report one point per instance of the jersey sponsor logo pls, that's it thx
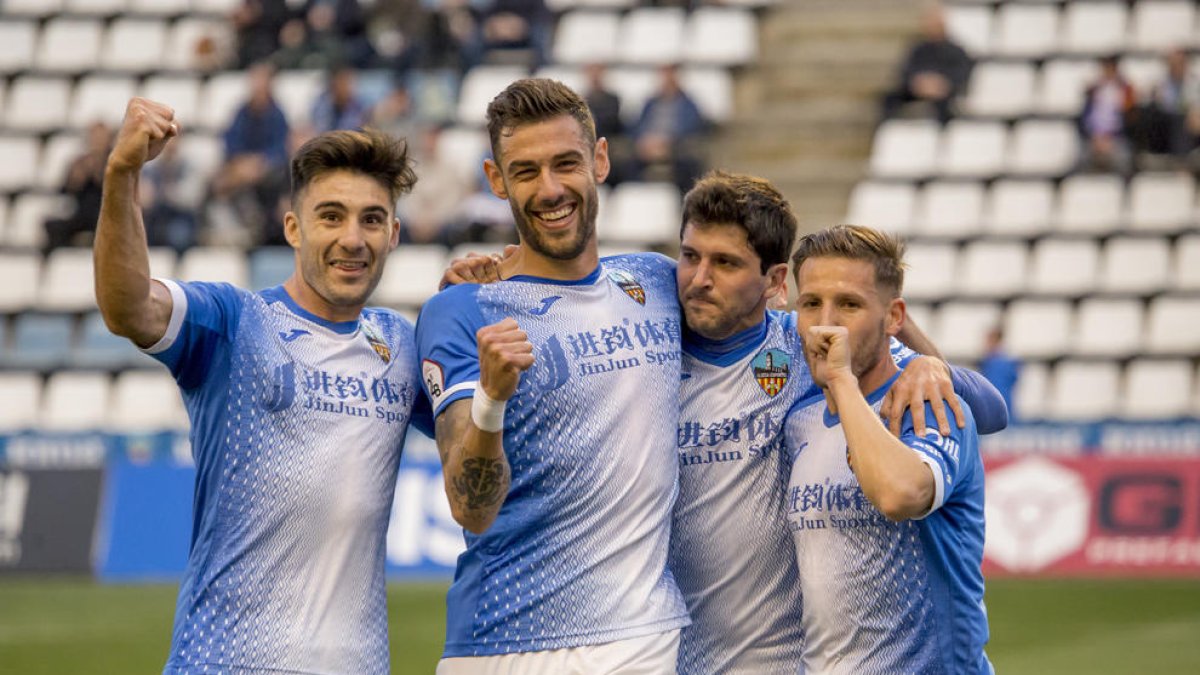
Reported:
(625, 281)
(626, 345)
(435, 378)
(281, 391)
(771, 368)
(545, 307)
(829, 505)
(293, 334)
(377, 342)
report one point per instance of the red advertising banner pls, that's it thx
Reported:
(1093, 516)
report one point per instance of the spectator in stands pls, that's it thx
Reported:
(512, 30)
(254, 174)
(430, 213)
(935, 71)
(1171, 119)
(170, 192)
(397, 30)
(669, 134)
(1104, 122)
(339, 106)
(83, 183)
(1000, 368)
(396, 114)
(339, 28)
(606, 110)
(257, 24)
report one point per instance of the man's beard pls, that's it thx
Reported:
(584, 231)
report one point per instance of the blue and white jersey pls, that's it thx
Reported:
(577, 554)
(731, 548)
(297, 427)
(881, 596)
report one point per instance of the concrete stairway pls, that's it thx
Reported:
(807, 110)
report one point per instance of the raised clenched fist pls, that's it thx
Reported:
(146, 130)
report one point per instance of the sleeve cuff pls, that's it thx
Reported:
(452, 394)
(179, 305)
(939, 484)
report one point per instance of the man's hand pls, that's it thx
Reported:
(476, 268)
(504, 353)
(829, 348)
(925, 378)
(146, 130)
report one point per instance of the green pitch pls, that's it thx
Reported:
(56, 626)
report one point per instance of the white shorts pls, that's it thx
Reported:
(648, 655)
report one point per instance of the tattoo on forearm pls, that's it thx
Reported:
(482, 482)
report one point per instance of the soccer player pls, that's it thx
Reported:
(299, 399)
(556, 395)
(731, 550)
(888, 531)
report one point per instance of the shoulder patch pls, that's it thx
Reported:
(626, 282)
(435, 379)
(771, 369)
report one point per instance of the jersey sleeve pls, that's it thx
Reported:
(446, 345)
(943, 454)
(901, 353)
(203, 323)
(987, 405)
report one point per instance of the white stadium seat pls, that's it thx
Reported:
(572, 76)
(905, 149)
(67, 283)
(1172, 326)
(971, 27)
(20, 398)
(1084, 390)
(1027, 31)
(75, 401)
(726, 36)
(1001, 89)
(1094, 28)
(69, 45)
(634, 86)
(1143, 72)
(181, 92)
(20, 274)
(973, 149)
(961, 327)
(992, 269)
(1043, 148)
(185, 34)
(38, 8)
(210, 263)
(1157, 389)
(101, 98)
(57, 154)
(1158, 25)
(1110, 328)
(1186, 275)
(950, 209)
(711, 89)
(1064, 266)
(479, 86)
(136, 45)
(96, 7)
(296, 92)
(465, 148)
(1019, 207)
(652, 36)
(27, 218)
(1062, 85)
(163, 7)
(20, 43)
(1161, 202)
(1136, 265)
(642, 213)
(931, 271)
(146, 401)
(221, 98)
(38, 103)
(887, 206)
(411, 276)
(1038, 329)
(583, 37)
(21, 154)
(1031, 396)
(1090, 204)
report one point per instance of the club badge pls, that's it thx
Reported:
(771, 368)
(376, 339)
(625, 281)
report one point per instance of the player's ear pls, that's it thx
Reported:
(495, 178)
(897, 314)
(600, 159)
(777, 282)
(394, 240)
(291, 229)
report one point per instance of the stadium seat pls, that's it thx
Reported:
(725, 36)
(1110, 328)
(4, 207)
(1084, 390)
(905, 149)
(1094, 28)
(1090, 204)
(572, 76)
(563, 5)
(887, 206)
(950, 209)
(146, 401)
(411, 276)
(1027, 31)
(465, 148)
(1158, 25)
(185, 34)
(181, 92)
(101, 98)
(203, 152)
(583, 37)
(1136, 265)
(20, 43)
(1066, 267)
(271, 266)
(208, 263)
(19, 277)
(134, 45)
(971, 27)
(634, 86)
(21, 155)
(1157, 389)
(37, 103)
(99, 349)
(1161, 202)
(973, 149)
(1043, 148)
(162, 262)
(1001, 89)
(711, 89)
(1019, 207)
(1038, 329)
(1031, 395)
(642, 213)
(1143, 72)
(27, 218)
(96, 7)
(479, 86)
(69, 45)
(40, 341)
(37, 8)
(20, 395)
(217, 7)
(162, 7)
(296, 92)
(1186, 275)
(220, 99)
(57, 154)
(1062, 86)
(75, 401)
(651, 36)
(67, 283)
(992, 269)
(960, 328)
(918, 312)
(931, 270)
(1172, 326)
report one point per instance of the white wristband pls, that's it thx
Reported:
(486, 412)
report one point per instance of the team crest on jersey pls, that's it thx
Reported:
(771, 370)
(377, 342)
(625, 281)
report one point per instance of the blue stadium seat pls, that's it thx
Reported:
(100, 349)
(40, 341)
(270, 266)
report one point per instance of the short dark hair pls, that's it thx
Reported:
(370, 151)
(533, 100)
(749, 202)
(885, 252)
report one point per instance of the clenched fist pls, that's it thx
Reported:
(504, 353)
(146, 130)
